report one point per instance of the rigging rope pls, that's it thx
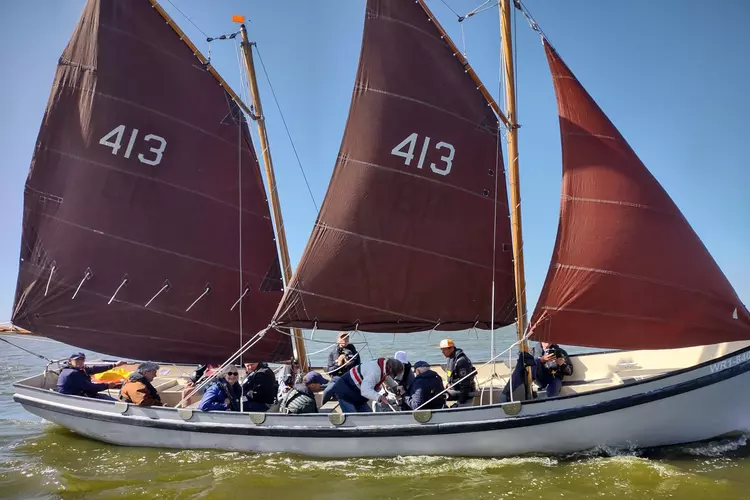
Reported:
(286, 127)
(188, 18)
(451, 9)
(26, 350)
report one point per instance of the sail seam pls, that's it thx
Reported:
(325, 226)
(151, 110)
(566, 197)
(479, 125)
(145, 245)
(407, 25)
(618, 315)
(346, 158)
(155, 47)
(598, 136)
(151, 337)
(313, 294)
(638, 278)
(158, 181)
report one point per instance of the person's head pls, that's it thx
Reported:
(421, 367)
(231, 373)
(250, 367)
(447, 347)
(77, 360)
(394, 368)
(401, 356)
(315, 381)
(545, 345)
(343, 339)
(148, 370)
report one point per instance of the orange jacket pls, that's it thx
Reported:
(138, 393)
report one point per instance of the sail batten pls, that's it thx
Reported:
(134, 184)
(627, 269)
(404, 238)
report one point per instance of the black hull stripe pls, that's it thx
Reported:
(412, 429)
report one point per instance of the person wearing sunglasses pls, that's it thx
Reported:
(224, 393)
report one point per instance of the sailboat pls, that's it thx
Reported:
(414, 235)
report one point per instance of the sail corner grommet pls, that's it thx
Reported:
(121, 406)
(185, 413)
(337, 418)
(422, 416)
(512, 408)
(257, 418)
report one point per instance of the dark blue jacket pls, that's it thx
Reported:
(78, 382)
(216, 395)
(424, 387)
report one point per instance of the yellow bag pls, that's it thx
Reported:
(113, 375)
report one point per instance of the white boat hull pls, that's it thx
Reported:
(694, 404)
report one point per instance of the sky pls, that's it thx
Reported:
(672, 76)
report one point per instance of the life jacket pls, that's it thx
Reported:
(356, 374)
(297, 401)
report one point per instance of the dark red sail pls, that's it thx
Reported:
(135, 175)
(404, 239)
(627, 270)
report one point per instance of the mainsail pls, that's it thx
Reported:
(404, 239)
(131, 227)
(627, 269)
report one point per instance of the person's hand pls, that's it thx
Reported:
(547, 357)
(383, 400)
(114, 385)
(120, 363)
(560, 361)
(341, 360)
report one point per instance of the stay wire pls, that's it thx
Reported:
(188, 18)
(286, 127)
(26, 350)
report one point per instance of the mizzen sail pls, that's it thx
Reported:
(132, 203)
(404, 239)
(627, 269)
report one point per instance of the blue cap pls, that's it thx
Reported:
(315, 378)
(77, 355)
(421, 364)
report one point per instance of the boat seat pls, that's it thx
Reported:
(163, 384)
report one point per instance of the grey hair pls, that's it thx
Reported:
(148, 366)
(394, 367)
(228, 368)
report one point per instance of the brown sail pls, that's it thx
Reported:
(627, 270)
(404, 239)
(132, 203)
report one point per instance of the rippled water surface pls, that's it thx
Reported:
(42, 460)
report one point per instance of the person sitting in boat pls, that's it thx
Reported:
(405, 383)
(426, 385)
(138, 389)
(458, 367)
(301, 397)
(75, 378)
(259, 388)
(340, 360)
(363, 383)
(224, 393)
(549, 365)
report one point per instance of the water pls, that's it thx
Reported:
(42, 460)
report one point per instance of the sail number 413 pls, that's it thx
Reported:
(113, 139)
(405, 149)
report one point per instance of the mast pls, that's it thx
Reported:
(515, 186)
(286, 267)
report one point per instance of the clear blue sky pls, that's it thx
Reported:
(672, 75)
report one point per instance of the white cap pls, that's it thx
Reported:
(401, 356)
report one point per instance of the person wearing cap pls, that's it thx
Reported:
(363, 383)
(301, 398)
(75, 378)
(426, 385)
(457, 367)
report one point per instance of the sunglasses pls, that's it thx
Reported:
(233, 373)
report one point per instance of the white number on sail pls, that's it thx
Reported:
(408, 156)
(105, 141)
(447, 159)
(117, 134)
(157, 151)
(410, 141)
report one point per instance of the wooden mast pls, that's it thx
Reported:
(286, 267)
(506, 15)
